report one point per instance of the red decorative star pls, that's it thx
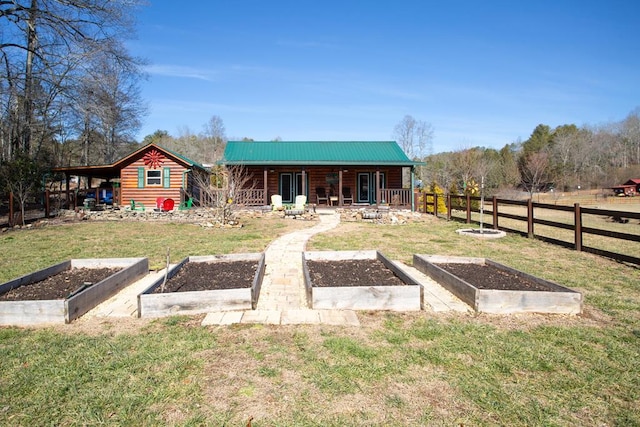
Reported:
(153, 159)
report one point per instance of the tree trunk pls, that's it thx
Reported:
(28, 79)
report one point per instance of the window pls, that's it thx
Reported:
(154, 177)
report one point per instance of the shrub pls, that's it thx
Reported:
(442, 205)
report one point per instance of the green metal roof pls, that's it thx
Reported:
(316, 153)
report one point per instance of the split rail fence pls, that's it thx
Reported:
(602, 232)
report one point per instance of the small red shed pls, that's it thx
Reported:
(630, 188)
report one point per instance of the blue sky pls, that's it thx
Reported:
(482, 73)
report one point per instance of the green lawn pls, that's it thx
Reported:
(397, 369)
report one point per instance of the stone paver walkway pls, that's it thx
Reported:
(282, 299)
(434, 295)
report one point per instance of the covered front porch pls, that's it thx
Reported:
(331, 187)
(331, 173)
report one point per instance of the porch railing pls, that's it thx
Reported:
(250, 197)
(242, 197)
(395, 196)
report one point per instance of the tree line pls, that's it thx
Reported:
(565, 158)
(205, 147)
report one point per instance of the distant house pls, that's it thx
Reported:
(149, 173)
(335, 173)
(629, 189)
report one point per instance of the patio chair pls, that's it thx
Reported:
(321, 194)
(186, 205)
(276, 202)
(167, 205)
(301, 201)
(137, 206)
(346, 195)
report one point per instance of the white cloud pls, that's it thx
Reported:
(180, 71)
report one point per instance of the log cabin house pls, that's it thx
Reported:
(144, 176)
(335, 173)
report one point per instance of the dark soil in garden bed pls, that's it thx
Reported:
(485, 276)
(58, 286)
(353, 272)
(208, 276)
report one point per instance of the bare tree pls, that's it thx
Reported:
(224, 188)
(565, 155)
(465, 164)
(186, 143)
(43, 39)
(117, 99)
(214, 139)
(414, 136)
(534, 171)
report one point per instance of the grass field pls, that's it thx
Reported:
(397, 369)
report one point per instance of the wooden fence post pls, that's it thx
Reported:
(435, 204)
(530, 218)
(578, 227)
(495, 212)
(424, 201)
(449, 207)
(468, 208)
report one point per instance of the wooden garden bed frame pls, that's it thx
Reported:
(558, 299)
(36, 312)
(394, 298)
(166, 304)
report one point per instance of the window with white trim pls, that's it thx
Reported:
(154, 177)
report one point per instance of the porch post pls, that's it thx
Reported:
(411, 177)
(377, 187)
(304, 182)
(340, 201)
(265, 187)
(67, 176)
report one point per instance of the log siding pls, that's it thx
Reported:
(133, 183)
(318, 177)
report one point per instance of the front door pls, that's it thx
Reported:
(290, 186)
(367, 186)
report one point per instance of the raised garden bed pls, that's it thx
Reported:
(66, 291)
(358, 280)
(201, 284)
(490, 287)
